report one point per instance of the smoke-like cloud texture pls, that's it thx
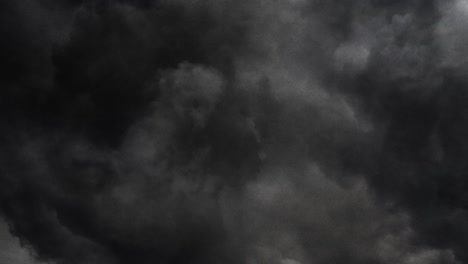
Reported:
(234, 131)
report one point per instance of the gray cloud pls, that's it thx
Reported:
(288, 131)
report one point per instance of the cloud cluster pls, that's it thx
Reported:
(203, 131)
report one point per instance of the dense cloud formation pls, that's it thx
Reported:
(234, 131)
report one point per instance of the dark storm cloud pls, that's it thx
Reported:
(286, 131)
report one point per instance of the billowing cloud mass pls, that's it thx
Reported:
(234, 131)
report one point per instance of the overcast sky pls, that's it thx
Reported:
(234, 131)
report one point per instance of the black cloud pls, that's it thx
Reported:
(287, 131)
